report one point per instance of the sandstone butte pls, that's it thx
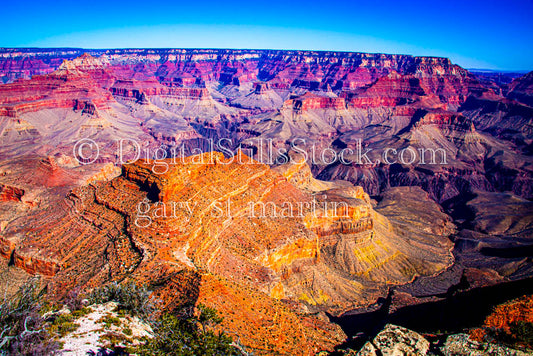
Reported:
(270, 277)
(79, 84)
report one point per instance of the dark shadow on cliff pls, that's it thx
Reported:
(178, 290)
(460, 310)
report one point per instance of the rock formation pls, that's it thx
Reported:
(266, 259)
(396, 340)
(233, 225)
(521, 89)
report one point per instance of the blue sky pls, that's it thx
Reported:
(475, 34)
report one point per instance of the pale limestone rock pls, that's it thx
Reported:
(460, 344)
(395, 340)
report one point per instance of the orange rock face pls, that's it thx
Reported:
(506, 314)
(103, 236)
(8, 193)
(503, 317)
(228, 232)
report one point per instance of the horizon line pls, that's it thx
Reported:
(264, 49)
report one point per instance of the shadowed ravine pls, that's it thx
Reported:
(454, 314)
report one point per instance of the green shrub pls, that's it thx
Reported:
(109, 320)
(22, 328)
(63, 328)
(187, 335)
(127, 331)
(112, 340)
(522, 333)
(130, 297)
(184, 334)
(81, 312)
(208, 316)
(519, 335)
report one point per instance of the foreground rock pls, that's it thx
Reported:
(101, 324)
(395, 340)
(461, 344)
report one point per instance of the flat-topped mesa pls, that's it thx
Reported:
(188, 93)
(391, 90)
(163, 178)
(135, 89)
(311, 101)
(132, 88)
(261, 87)
(340, 218)
(444, 119)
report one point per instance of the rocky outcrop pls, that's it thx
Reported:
(87, 337)
(396, 340)
(108, 172)
(86, 107)
(310, 101)
(521, 89)
(462, 345)
(9, 193)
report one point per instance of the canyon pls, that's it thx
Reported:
(238, 229)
